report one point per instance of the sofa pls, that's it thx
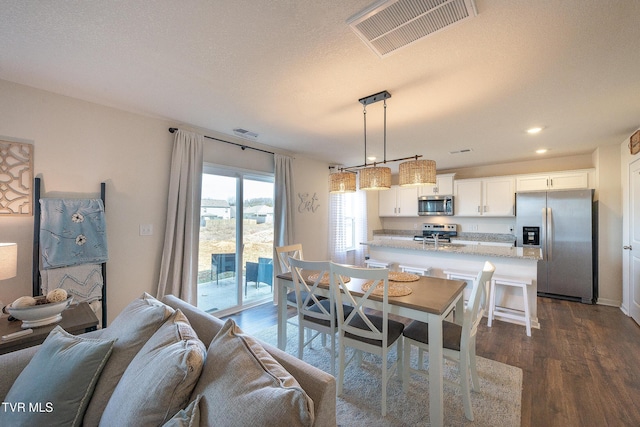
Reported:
(162, 363)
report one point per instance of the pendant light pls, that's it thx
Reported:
(374, 177)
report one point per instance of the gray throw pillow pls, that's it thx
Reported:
(243, 385)
(55, 387)
(187, 417)
(159, 379)
(132, 327)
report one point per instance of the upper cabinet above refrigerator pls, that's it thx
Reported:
(566, 180)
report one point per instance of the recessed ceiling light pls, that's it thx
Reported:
(541, 151)
(371, 158)
(534, 130)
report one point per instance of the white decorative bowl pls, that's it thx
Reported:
(40, 315)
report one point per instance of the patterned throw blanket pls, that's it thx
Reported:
(84, 281)
(72, 232)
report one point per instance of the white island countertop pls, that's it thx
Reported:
(521, 263)
(452, 248)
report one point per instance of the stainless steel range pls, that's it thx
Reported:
(440, 232)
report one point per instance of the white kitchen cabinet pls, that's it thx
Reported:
(398, 201)
(444, 186)
(565, 180)
(468, 197)
(485, 197)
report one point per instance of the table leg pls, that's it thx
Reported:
(436, 361)
(282, 314)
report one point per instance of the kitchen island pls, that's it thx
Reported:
(509, 261)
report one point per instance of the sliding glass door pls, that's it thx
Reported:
(235, 267)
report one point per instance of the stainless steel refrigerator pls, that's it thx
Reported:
(561, 223)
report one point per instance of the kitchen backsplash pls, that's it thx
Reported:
(465, 224)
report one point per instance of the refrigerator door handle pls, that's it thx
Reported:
(549, 234)
(543, 234)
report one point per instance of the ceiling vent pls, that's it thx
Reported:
(464, 150)
(245, 133)
(388, 25)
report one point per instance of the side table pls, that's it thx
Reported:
(77, 319)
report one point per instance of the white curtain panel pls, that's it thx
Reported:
(179, 267)
(283, 211)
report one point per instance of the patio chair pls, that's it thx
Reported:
(222, 263)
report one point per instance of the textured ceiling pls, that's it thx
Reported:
(292, 71)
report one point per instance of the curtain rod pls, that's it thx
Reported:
(243, 147)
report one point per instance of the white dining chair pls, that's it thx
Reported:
(362, 331)
(284, 253)
(459, 341)
(315, 312)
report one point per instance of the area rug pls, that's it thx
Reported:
(497, 404)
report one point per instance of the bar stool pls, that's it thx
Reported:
(422, 271)
(374, 263)
(516, 282)
(460, 275)
(466, 275)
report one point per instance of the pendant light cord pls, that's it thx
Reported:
(364, 115)
(385, 131)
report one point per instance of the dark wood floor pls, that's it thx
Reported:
(582, 368)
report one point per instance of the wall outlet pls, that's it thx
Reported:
(415, 226)
(146, 229)
(474, 227)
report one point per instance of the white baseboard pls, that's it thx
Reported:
(609, 302)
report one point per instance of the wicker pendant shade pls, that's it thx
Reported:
(375, 178)
(342, 182)
(418, 172)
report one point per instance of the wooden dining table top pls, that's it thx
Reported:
(429, 294)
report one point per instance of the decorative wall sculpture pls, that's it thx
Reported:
(16, 178)
(308, 202)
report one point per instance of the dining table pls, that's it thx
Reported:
(431, 300)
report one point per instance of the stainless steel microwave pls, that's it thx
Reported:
(435, 205)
